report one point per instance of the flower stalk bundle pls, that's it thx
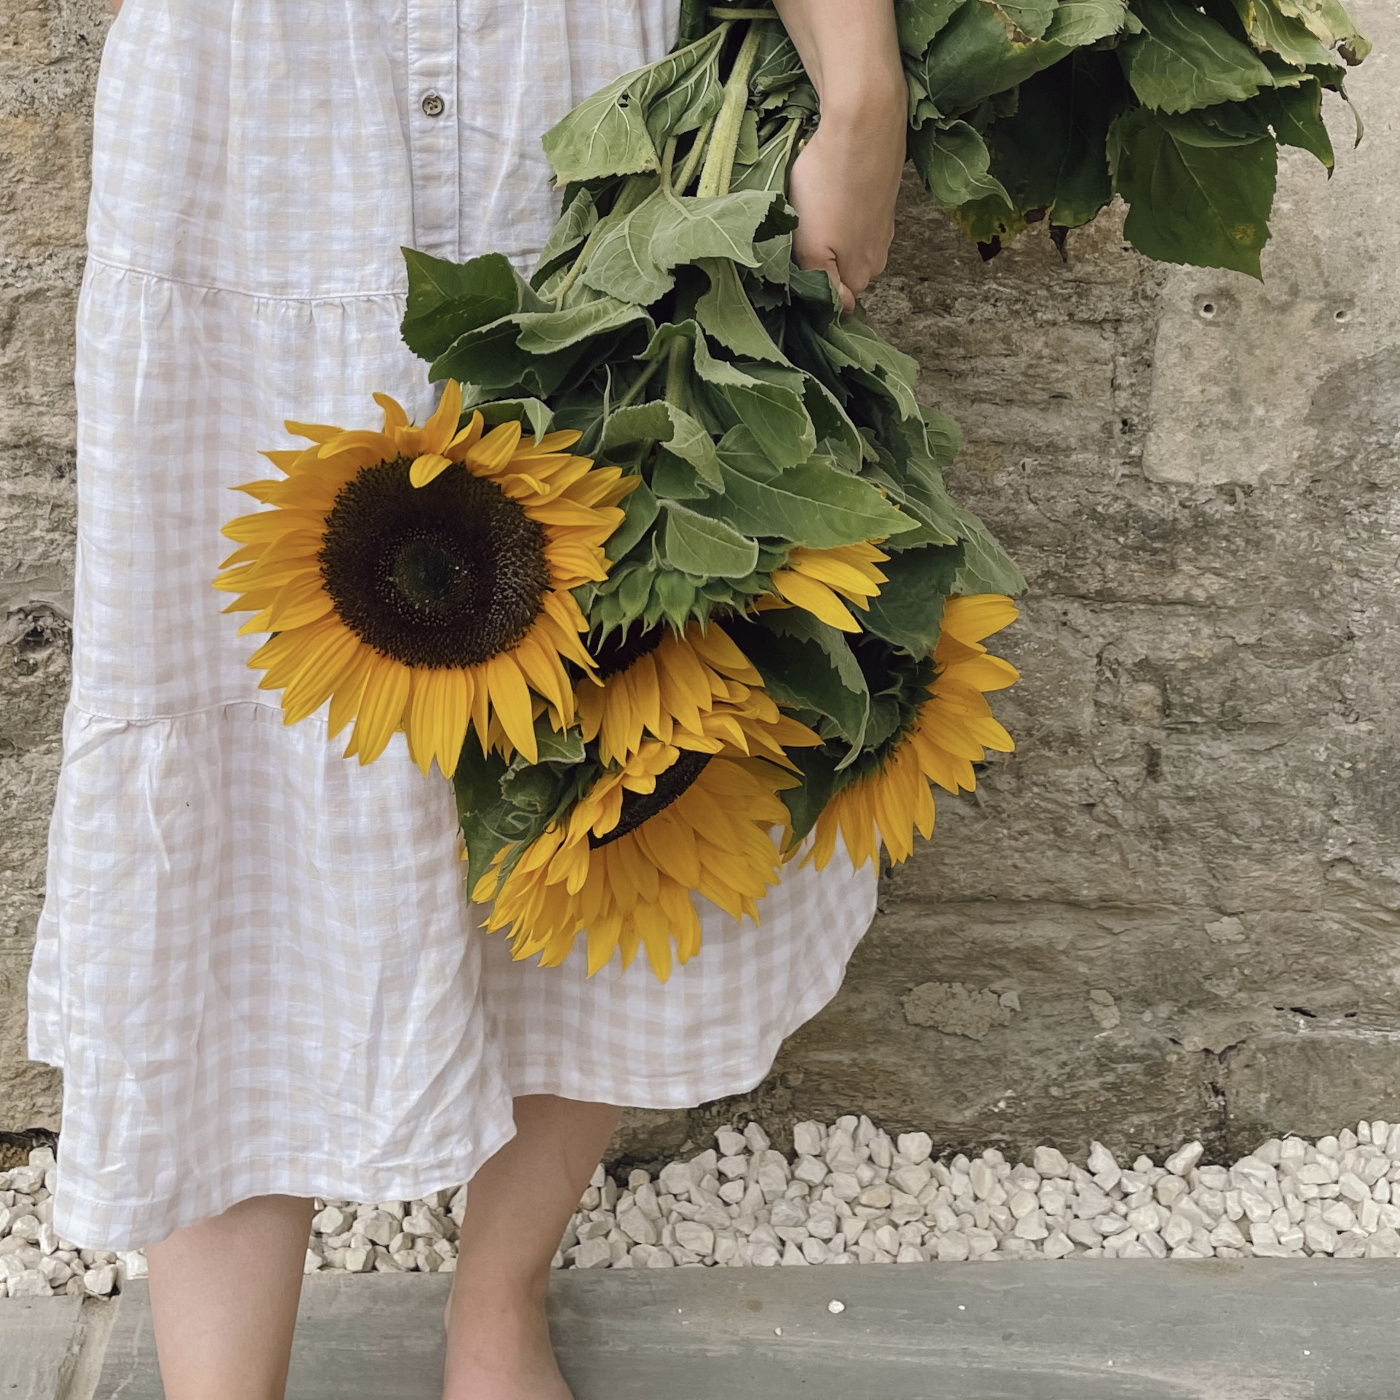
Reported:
(670, 585)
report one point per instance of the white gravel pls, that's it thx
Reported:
(848, 1194)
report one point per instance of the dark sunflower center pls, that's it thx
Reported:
(619, 652)
(639, 807)
(446, 575)
(428, 575)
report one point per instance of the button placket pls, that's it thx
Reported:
(433, 126)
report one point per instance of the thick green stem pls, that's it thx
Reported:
(638, 384)
(678, 373)
(693, 156)
(719, 160)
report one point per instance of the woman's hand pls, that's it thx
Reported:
(845, 181)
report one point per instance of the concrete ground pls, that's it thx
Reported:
(1106, 1330)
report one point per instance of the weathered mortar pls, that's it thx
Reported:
(1186, 879)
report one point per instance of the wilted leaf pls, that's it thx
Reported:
(1031, 17)
(1271, 31)
(1079, 23)
(1329, 21)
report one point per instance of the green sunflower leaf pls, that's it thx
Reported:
(1184, 60)
(1272, 31)
(769, 170)
(726, 313)
(1296, 117)
(578, 220)
(633, 257)
(489, 822)
(943, 435)
(813, 504)
(640, 511)
(542, 333)
(856, 344)
(954, 163)
(765, 401)
(532, 413)
(920, 20)
(708, 548)
(447, 299)
(978, 54)
(619, 131)
(908, 610)
(807, 665)
(986, 566)
(660, 421)
(1194, 195)
(818, 768)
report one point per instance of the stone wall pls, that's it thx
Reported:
(48, 64)
(1175, 912)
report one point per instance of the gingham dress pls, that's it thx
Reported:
(256, 964)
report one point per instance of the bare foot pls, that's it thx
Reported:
(498, 1345)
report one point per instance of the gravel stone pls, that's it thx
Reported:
(848, 1193)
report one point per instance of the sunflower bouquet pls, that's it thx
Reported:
(669, 584)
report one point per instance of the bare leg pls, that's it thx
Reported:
(224, 1300)
(517, 1207)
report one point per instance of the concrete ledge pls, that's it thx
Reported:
(1101, 1330)
(38, 1340)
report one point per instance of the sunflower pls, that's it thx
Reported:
(817, 580)
(656, 679)
(693, 815)
(419, 578)
(945, 726)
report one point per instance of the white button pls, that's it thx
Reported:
(433, 105)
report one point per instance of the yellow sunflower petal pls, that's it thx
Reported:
(496, 449)
(510, 700)
(381, 708)
(816, 598)
(440, 429)
(428, 467)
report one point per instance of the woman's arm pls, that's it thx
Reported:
(116, 5)
(845, 181)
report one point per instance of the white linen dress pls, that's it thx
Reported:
(256, 964)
